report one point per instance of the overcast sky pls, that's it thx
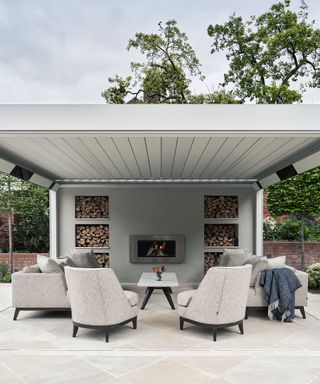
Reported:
(62, 51)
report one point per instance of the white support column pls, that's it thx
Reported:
(53, 224)
(259, 223)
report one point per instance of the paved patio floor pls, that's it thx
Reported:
(38, 348)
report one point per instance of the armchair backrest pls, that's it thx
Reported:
(221, 297)
(96, 297)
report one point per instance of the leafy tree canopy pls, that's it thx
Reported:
(272, 58)
(165, 75)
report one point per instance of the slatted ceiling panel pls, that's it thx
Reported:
(207, 156)
(67, 162)
(138, 145)
(286, 158)
(198, 146)
(37, 160)
(169, 145)
(249, 157)
(125, 150)
(182, 151)
(276, 156)
(244, 147)
(79, 153)
(108, 145)
(95, 148)
(224, 151)
(154, 155)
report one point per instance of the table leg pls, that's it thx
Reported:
(149, 291)
(166, 291)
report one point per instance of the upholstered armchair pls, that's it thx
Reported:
(220, 300)
(98, 301)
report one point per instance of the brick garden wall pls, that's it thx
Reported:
(292, 249)
(21, 260)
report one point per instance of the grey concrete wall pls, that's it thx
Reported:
(174, 209)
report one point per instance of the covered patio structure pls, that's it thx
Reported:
(160, 169)
(156, 164)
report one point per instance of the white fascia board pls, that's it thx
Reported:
(310, 162)
(144, 120)
(269, 180)
(6, 166)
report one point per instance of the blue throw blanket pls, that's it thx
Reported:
(279, 287)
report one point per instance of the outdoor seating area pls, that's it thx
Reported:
(156, 263)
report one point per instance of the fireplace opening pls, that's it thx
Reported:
(156, 248)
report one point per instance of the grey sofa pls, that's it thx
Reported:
(39, 291)
(256, 296)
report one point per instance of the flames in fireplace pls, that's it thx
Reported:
(157, 249)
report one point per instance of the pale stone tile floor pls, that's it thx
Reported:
(38, 348)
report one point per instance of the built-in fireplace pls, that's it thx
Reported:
(156, 248)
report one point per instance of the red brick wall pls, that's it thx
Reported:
(292, 251)
(21, 260)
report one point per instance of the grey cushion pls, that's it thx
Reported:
(258, 264)
(31, 269)
(234, 257)
(48, 265)
(83, 259)
(64, 262)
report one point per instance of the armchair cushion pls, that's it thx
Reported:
(184, 298)
(132, 297)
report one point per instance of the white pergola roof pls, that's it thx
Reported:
(74, 143)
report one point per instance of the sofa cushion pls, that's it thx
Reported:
(276, 262)
(257, 268)
(234, 257)
(132, 297)
(184, 298)
(254, 261)
(48, 265)
(65, 262)
(82, 259)
(31, 269)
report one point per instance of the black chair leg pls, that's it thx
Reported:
(75, 330)
(214, 334)
(134, 323)
(247, 314)
(303, 312)
(181, 323)
(107, 337)
(16, 313)
(241, 328)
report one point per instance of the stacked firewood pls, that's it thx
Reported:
(92, 207)
(103, 259)
(211, 259)
(92, 235)
(220, 235)
(220, 206)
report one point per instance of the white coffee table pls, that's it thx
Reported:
(168, 280)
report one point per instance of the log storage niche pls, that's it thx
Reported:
(211, 259)
(103, 259)
(91, 207)
(220, 235)
(221, 207)
(92, 235)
